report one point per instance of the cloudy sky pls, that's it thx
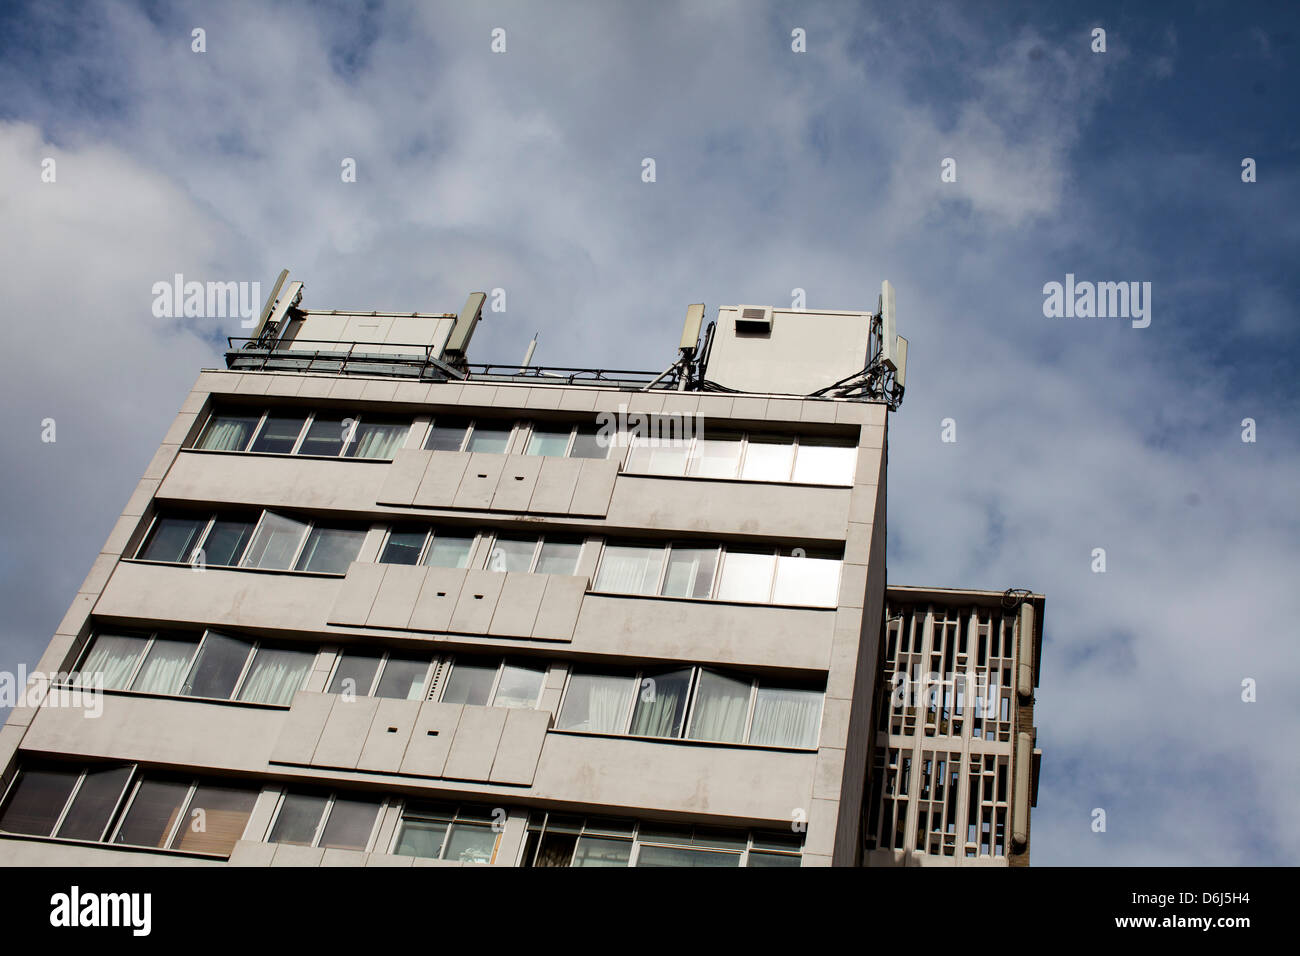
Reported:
(775, 170)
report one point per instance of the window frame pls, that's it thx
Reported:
(777, 553)
(690, 708)
(331, 797)
(430, 534)
(533, 561)
(385, 655)
(537, 822)
(451, 819)
(296, 450)
(796, 440)
(311, 523)
(502, 661)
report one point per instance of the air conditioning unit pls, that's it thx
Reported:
(754, 320)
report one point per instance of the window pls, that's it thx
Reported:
(493, 683)
(274, 542)
(72, 803)
(205, 540)
(524, 553)
(560, 840)
(441, 831)
(749, 457)
(337, 821)
(327, 434)
(394, 676)
(435, 548)
(573, 441)
(494, 436)
(223, 668)
(695, 703)
(750, 575)
(153, 663)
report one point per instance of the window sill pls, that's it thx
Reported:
(690, 600)
(100, 845)
(224, 567)
(126, 692)
(276, 454)
(692, 741)
(738, 481)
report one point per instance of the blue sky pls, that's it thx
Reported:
(776, 170)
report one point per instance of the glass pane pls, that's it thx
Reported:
(717, 456)
(355, 674)
(558, 557)
(808, 579)
(403, 678)
(172, 539)
(746, 576)
(37, 800)
(447, 434)
(658, 456)
(680, 856)
(375, 438)
(470, 682)
(548, 441)
(165, 665)
(228, 432)
(403, 547)
(520, 686)
(275, 543)
(629, 569)
(279, 433)
(690, 572)
(298, 818)
(225, 543)
(449, 550)
(470, 843)
(825, 462)
(421, 838)
(596, 851)
(771, 859)
(350, 822)
(661, 704)
(92, 808)
(768, 459)
(489, 437)
(591, 442)
(597, 703)
(331, 550)
(276, 675)
(512, 554)
(153, 813)
(786, 717)
(326, 435)
(217, 668)
(111, 660)
(221, 823)
(721, 708)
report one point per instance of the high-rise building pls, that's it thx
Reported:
(373, 604)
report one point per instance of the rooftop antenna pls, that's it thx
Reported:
(528, 356)
(686, 349)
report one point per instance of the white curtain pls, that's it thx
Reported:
(626, 569)
(659, 716)
(111, 660)
(378, 441)
(276, 676)
(786, 717)
(165, 667)
(596, 702)
(721, 706)
(227, 435)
